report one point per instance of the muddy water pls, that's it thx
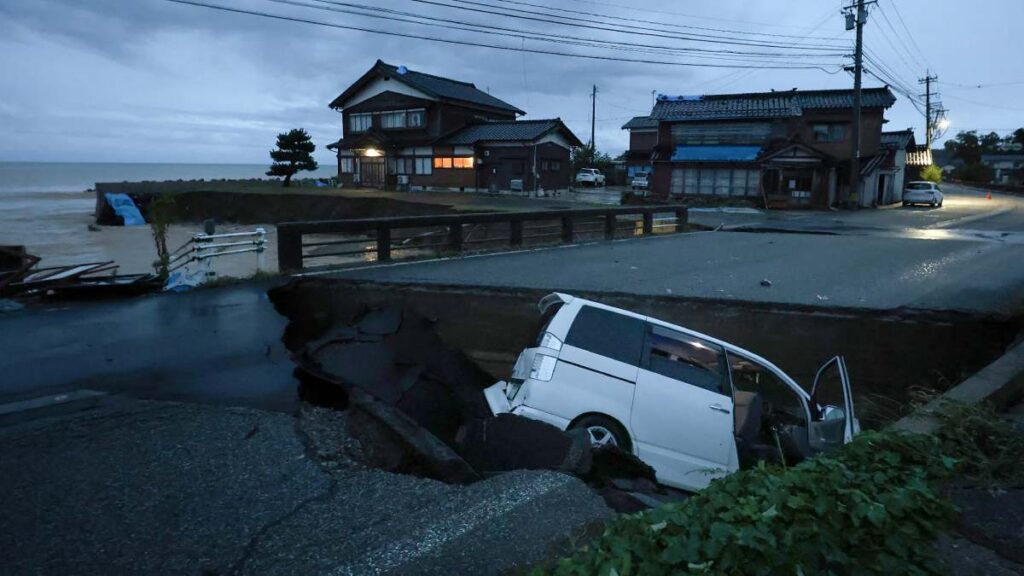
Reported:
(891, 356)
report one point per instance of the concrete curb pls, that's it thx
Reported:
(999, 384)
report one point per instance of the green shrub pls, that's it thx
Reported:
(872, 507)
(932, 173)
(869, 509)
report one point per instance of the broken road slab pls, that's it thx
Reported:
(133, 486)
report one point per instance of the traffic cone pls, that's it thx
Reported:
(988, 196)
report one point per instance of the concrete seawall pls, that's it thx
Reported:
(258, 202)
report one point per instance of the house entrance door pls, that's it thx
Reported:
(371, 172)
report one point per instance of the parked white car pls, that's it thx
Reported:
(692, 407)
(589, 177)
(640, 182)
(922, 193)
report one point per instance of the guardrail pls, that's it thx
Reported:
(379, 238)
(203, 248)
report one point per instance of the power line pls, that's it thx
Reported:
(299, 20)
(666, 24)
(685, 15)
(987, 105)
(986, 85)
(623, 29)
(899, 39)
(909, 35)
(447, 23)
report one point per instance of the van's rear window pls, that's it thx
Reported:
(607, 333)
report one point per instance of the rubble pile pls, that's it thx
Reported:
(414, 406)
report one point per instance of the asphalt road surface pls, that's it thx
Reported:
(965, 256)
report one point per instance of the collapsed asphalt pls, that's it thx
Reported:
(417, 406)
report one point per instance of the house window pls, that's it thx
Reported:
(403, 165)
(417, 118)
(391, 120)
(453, 162)
(719, 182)
(423, 166)
(348, 165)
(360, 122)
(829, 132)
(550, 165)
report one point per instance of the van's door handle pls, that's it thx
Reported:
(718, 408)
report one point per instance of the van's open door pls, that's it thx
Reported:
(832, 418)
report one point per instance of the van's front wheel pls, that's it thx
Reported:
(603, 431)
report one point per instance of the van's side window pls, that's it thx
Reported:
(683, 357)
(607, 333)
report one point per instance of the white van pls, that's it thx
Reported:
(692, 407)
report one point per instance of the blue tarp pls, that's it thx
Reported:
(716, 153)
(125, 208)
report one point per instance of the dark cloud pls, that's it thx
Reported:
(154, 80)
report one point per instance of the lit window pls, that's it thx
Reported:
(463, 162)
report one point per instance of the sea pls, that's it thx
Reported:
(22, 177)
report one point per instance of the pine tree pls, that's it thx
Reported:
(294, 152)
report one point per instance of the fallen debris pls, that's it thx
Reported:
(508, 442)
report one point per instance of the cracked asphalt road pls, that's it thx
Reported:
(127, 486)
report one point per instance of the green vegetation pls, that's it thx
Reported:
(932, 173)
(294, 153)
(588, 157)
(160, 215)
(872, 507)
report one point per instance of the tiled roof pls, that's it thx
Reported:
(447, 88)
(899, 140)
(512, 131)
(435, 86)
(716, 153)
(760, 105)
(640, 122)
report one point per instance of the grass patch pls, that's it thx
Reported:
(873, 507)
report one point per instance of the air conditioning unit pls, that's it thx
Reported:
(516, 185)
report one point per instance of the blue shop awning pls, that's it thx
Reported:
(716, 153)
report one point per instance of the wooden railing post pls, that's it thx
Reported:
(383, 242)
(567, 229)
(516, 232)
(648, 222)
(682, 218)
(455, 236)
(289, 249)
(609, 226)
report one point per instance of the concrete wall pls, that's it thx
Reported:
(888, 354)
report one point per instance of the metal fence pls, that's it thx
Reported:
(337, 242)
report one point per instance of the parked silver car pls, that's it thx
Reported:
(922, 193)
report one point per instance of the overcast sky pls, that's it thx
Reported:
(154, 81)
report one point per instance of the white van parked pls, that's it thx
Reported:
(692, 407)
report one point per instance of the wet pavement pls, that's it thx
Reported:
(881, 260)
(145, 487)
(217, 345)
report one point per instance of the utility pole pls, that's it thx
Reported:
(927, 81)
(593, 118)
(858, 67)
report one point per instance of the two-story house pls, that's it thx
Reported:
(643, 138)
(786, 148)
(410, 130)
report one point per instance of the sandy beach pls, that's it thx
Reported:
(55, 226)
